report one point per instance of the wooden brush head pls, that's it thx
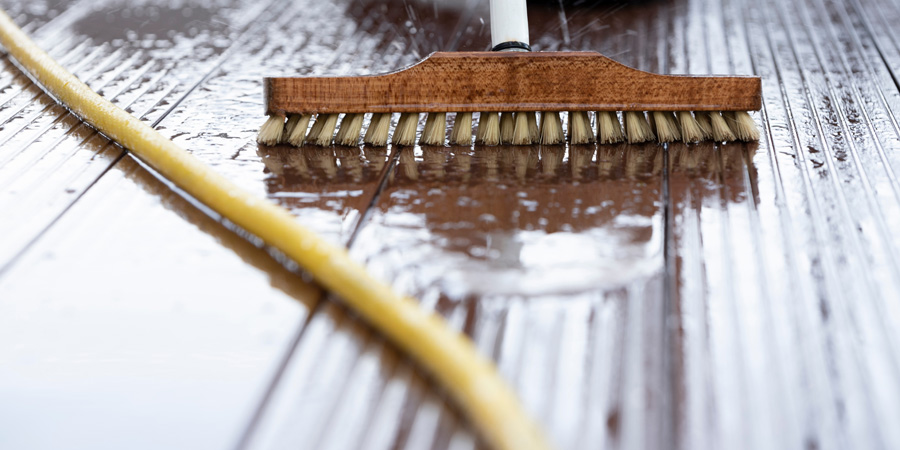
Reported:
(502, 81)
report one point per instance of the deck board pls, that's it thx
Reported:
(684, 296)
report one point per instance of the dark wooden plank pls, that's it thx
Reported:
(699, 296)
(804, 221)
(472, 233)
(139, 321)
(45, 167)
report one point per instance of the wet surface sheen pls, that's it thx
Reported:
(683, 296)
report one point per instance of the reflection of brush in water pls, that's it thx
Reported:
(733, 157)
(526, 158)
(376, 157)
(678, 157)
(637, 158)
(521, 162)
(297, 161)
(434, 159)
(490, 157)
(534, 158)
(658, 161)
(507, 160)
(707, 158)
(462, 163)
(407, 164)
(606, 160)
(551, 158)
(579, 159)
(350, 162)
(323, 159)
(273, 158)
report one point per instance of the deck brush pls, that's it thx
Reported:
(503, 87)
(507, 87)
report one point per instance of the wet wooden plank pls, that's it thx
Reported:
(139, 321)
(733, 296)
(490, 239)
(48, 158)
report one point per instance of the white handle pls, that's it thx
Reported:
(509, 22)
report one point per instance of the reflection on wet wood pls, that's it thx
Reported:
(690, 296)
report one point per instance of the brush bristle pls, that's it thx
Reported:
(637, 129)
(488, 132)
(507, 127)
(405, 133)
(702, 118)
(297, 134)
(326, 132)
(690, 129)
(271, 132)
(580, 131)
(743, 126)
(435, 129)
(289, 126)
(522, 130)
(551, 128)
(720, 131)
(609, 130)
(462, 129)
(666, 128)
(533, 129)
(481, 128)
(379, 130)
(348, 132)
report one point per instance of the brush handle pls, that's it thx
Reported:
(512, 81)
(509, 24)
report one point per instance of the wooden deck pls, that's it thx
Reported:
(637, 297)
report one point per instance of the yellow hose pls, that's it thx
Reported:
(471, 380)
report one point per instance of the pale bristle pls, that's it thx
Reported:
(405, 133)
(462, 129)
(316, 127)
(533, 129)
(348, 132)
(743, 126)
(325, 131)
(481, 128)
(488, 132)
(435, 129)
(522, 130)
(690, 129)
(297, 134)
(702, 118)
(609, 130)
(551, 128)
(666, 128)
(271, 132)
(637, 129)
(289, 126)
(720, 131)
(379, 130)
(580, 131)
(507, 127)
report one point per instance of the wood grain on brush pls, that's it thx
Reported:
(501, 81)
